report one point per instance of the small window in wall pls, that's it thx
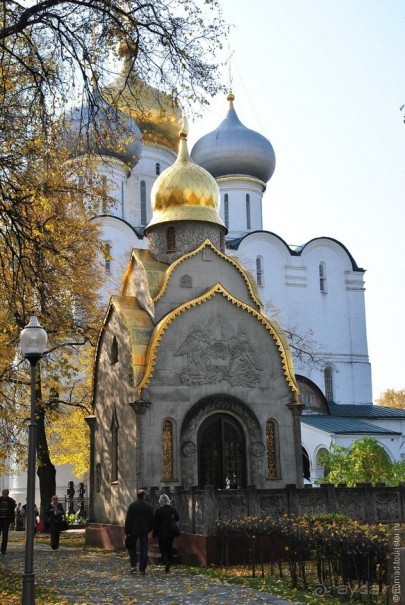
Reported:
(328, 378)
(167, 450)
(143, 202)
(157, 168)
(248, 222)
(114, 350)
(226, 210)
(104, 200)
(186, 281)
(171, 239)
(322, 277)
(114, 448)
(271, 448)
(259, 270)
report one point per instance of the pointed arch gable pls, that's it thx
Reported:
(217, 290)
(207, 243)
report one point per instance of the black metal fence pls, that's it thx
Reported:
(76, 503)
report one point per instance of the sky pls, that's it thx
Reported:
(324, 81)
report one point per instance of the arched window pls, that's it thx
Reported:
(226, 210)
(157, 167)
(171, 239)
(248, 223)
(271, 448)
(328, 378)
(167, 450)
(104, 201)
(306, 465)
(322, 277)
(186, 281)
(114, 447)
(114, 350)
(98, 477)
(259, 270)
(143, 203)
(107, 257)
(122, 200)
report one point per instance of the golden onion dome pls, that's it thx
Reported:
(185, 191)
(155, 113)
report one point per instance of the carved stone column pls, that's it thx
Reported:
(92, 424)
(139, 407)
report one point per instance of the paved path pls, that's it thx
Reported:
(84, 577)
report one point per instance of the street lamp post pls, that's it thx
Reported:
(33, 341)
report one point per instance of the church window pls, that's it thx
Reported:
(271, 449)
(122, 200)
(104, 200)
(107, 257)
(186, 281)
(167, 445)
(143, 203)
(328, 378)
(259, 270)
(322, 277)
(157, 167)
(248, 222)
(114, 350)
(171, 239)
(114, 448)
(226, 210)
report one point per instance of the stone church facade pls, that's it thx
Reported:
(193, 384)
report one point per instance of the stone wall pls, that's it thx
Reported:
(199, 509)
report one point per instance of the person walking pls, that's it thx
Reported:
(7, 515)
(55, 514)
(138, 523)
(164, 517)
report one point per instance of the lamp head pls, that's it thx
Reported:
(33, 339)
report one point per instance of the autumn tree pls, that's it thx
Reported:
(392, 399)
(365, 461)
(52, 53)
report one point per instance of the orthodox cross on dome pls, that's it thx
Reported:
(183, 125)
(229, 63)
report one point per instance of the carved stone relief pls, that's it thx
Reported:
(273, 506)
(350, 505)
(216, 353)
(387, 507)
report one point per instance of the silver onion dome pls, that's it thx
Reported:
(233, 149)
(103, 130)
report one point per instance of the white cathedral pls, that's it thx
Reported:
(315, 291)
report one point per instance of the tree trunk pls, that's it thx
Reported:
(46, 470)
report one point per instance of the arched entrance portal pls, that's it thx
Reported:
(221, 453)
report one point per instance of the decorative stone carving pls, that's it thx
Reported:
(350, 504)
(217, 353)
(257, 448)
(186, 281)
(195, 417)
(273, 505)
(387, 507)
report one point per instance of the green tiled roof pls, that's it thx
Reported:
(342, 426)
(365, 411)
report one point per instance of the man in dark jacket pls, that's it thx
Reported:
(7, 512)
(138, 523)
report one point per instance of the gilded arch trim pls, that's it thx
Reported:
(272, 328)
(207, 243)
